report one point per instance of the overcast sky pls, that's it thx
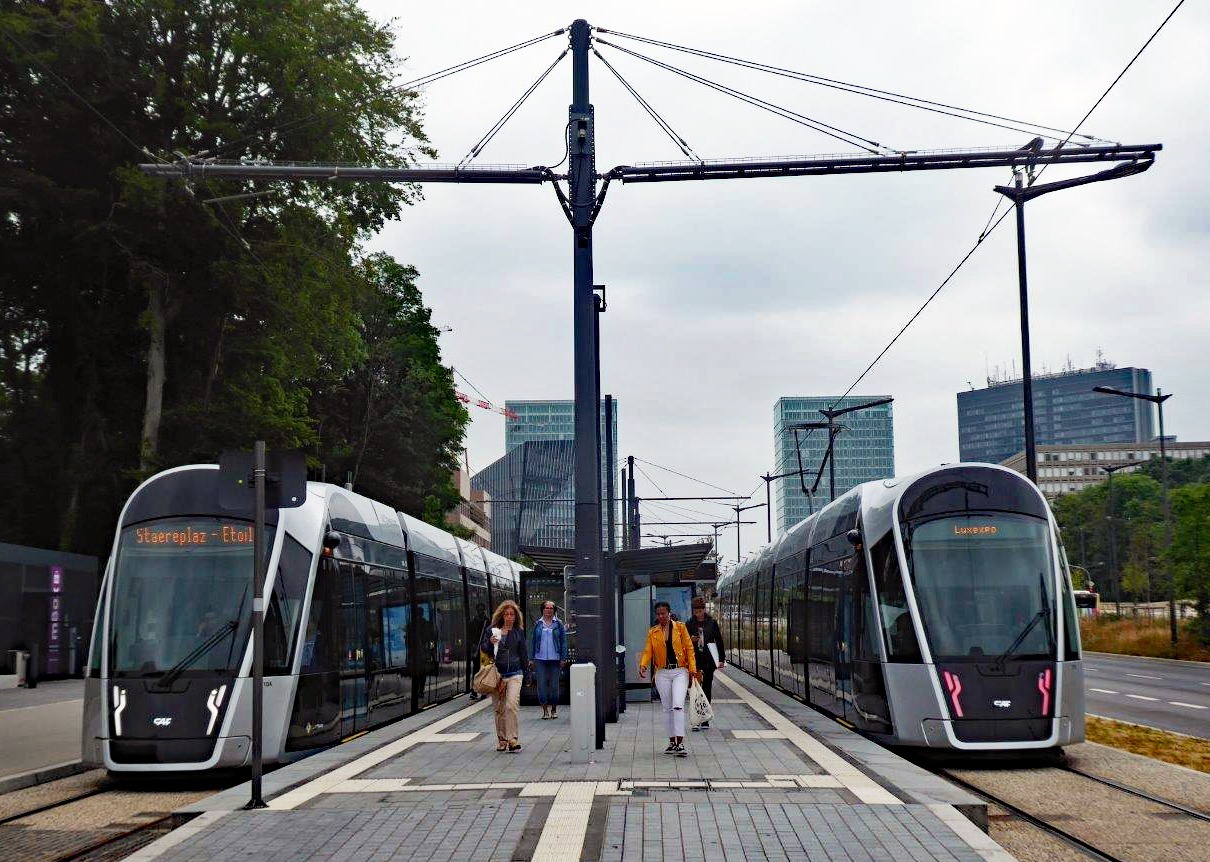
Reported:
(724, 296)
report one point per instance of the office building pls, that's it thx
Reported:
(474, 512)
(555, 420)
(991, 426)
(1066, 469)
(532, 490)
(864, 451)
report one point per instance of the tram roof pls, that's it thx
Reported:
(428, 540)
(472, 555)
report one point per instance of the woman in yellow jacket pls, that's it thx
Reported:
(671, 651)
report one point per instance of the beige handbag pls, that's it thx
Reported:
(487, 678)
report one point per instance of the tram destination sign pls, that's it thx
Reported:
(285, 480)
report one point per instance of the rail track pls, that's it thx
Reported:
(70, 829)
(1083, 845)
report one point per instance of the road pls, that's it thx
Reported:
(40, 727)
(1170, 695)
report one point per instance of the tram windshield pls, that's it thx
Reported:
(985, 586)
(182, 597)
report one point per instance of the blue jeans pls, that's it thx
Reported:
(547, 675)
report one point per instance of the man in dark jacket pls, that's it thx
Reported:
(704, 631)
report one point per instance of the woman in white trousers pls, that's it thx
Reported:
(670, 651)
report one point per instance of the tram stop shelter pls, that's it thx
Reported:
(643, 576)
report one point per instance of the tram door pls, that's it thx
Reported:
(353, 659)
(844, 640)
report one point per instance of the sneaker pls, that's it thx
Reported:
(671, 749)
(514, 747)
(698, 727)
(679, 750)
(704, 725)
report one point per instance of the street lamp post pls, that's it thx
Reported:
(1019, 193)
(831, 416)
(1113, 538)
(738, 510)
(1158, 400)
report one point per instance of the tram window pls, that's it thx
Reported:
(378, 592)
(321, 644)
(285, 605)
(896, 618)
(94, 663)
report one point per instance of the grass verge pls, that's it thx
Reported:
(1141, 637)
(1157, 744)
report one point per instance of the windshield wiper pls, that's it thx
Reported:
(200, 650)
(1043, 614)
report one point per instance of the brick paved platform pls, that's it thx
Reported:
(770, 779)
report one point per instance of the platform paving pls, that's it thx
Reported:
(761, 783)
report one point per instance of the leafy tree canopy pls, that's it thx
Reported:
(144, 324)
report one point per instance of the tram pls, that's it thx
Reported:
(370, 615)
(933, 611)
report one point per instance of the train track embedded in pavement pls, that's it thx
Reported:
(51, 806)
(1072, 840)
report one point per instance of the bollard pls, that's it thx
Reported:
(583, 712)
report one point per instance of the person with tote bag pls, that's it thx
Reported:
(670, 651)
(708, 650)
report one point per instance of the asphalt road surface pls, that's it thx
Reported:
(40, 727)
(1170, 695)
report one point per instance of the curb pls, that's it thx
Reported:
(40, 776)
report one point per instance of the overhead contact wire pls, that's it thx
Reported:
(508, 115)
(988, 231)
(833, 132)
(860, 89)
(660, 121)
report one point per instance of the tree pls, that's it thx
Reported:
(1190, 552)
(397, 395)
(140, 325)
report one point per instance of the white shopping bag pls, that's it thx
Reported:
(713, 652)
(700, 710)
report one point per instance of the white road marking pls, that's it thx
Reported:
(1204, 683)
(1104, 691)
(854, 780)
(1189, 705)
(1144, 676)
(1142, 697)
(326, 782)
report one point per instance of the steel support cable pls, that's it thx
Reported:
(860, 89)
(833, 132)
(680, 511)
(83, 101)
(988, 231)
(652, 112)
(683, 476)
(508, 115)
(415, 83)
(1109, 89)
(649, 479)
(465, 380)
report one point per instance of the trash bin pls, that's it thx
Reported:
(20, 661)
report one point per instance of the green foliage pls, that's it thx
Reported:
(1140, 547)
(141, 327)
(1181, 471)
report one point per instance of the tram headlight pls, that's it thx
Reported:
(213, 702)
(119, 704)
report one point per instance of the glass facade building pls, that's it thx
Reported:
(535, 485)
(544, 421)
(991, 426)
(864, 451)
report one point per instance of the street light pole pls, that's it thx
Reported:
(1158, 400)
(831, 416)
(1113, 538)
(1019, 193)
(738, 510)
(768, 508)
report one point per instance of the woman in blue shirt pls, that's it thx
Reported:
(548, 646)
